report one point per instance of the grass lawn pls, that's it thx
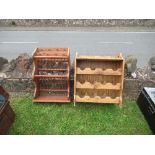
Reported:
(83, 119)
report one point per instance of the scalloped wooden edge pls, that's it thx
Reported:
(99, 71)
(98, 85)
(97, 99)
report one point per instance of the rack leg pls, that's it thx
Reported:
(120, 105)
(74, 104)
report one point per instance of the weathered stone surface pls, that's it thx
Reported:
(130, 66)
(2, 75)
(3, 61)
(150, 69)
(153, 67)
(77, 22)
(141, 73)
(20, 67)
(17, 85)
(152, 61)
(133, 87)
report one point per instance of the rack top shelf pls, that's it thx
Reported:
(51, 52)
(105, 58)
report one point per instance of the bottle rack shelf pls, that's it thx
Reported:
(98, 79)
(99, 71)
(51, 74)
(98, 99)
(98, 85)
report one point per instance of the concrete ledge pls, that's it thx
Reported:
(77, 22)
(85, 29)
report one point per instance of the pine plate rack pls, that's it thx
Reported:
(51, 74)
(98, 79)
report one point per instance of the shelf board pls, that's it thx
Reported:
(50, 76)
(57, 49)
(102, 58)
(55, 60)
(51, 56)
(54, 90)
(97, 99)
(47, 99)
(51, 69)
(97, 86)
(98, 71)
(52, 53)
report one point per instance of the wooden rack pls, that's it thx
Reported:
(51, 74)
(98, 79)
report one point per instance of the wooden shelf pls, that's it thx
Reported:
(47, 99)
(98, 71)
(102, 58)
(51, 69)
(54, 60)
(54, 90)
(51, 52)
(47, 57)
(98, 85)
(50, 76)
(98, 99)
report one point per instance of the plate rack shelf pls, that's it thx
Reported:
(51, 74)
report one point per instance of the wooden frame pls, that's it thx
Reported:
(51, 75)
(98, 79)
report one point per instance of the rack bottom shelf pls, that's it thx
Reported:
(98, 100)
(47, 99)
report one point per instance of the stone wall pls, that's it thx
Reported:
(77, 22)
(132, 87)
(16, 76)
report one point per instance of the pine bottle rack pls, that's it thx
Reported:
(98, 79)
(51, 75)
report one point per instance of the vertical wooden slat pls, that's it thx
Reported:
(75, 66)
(122, 80)
(68, 74)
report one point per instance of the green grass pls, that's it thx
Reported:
(92, 119)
